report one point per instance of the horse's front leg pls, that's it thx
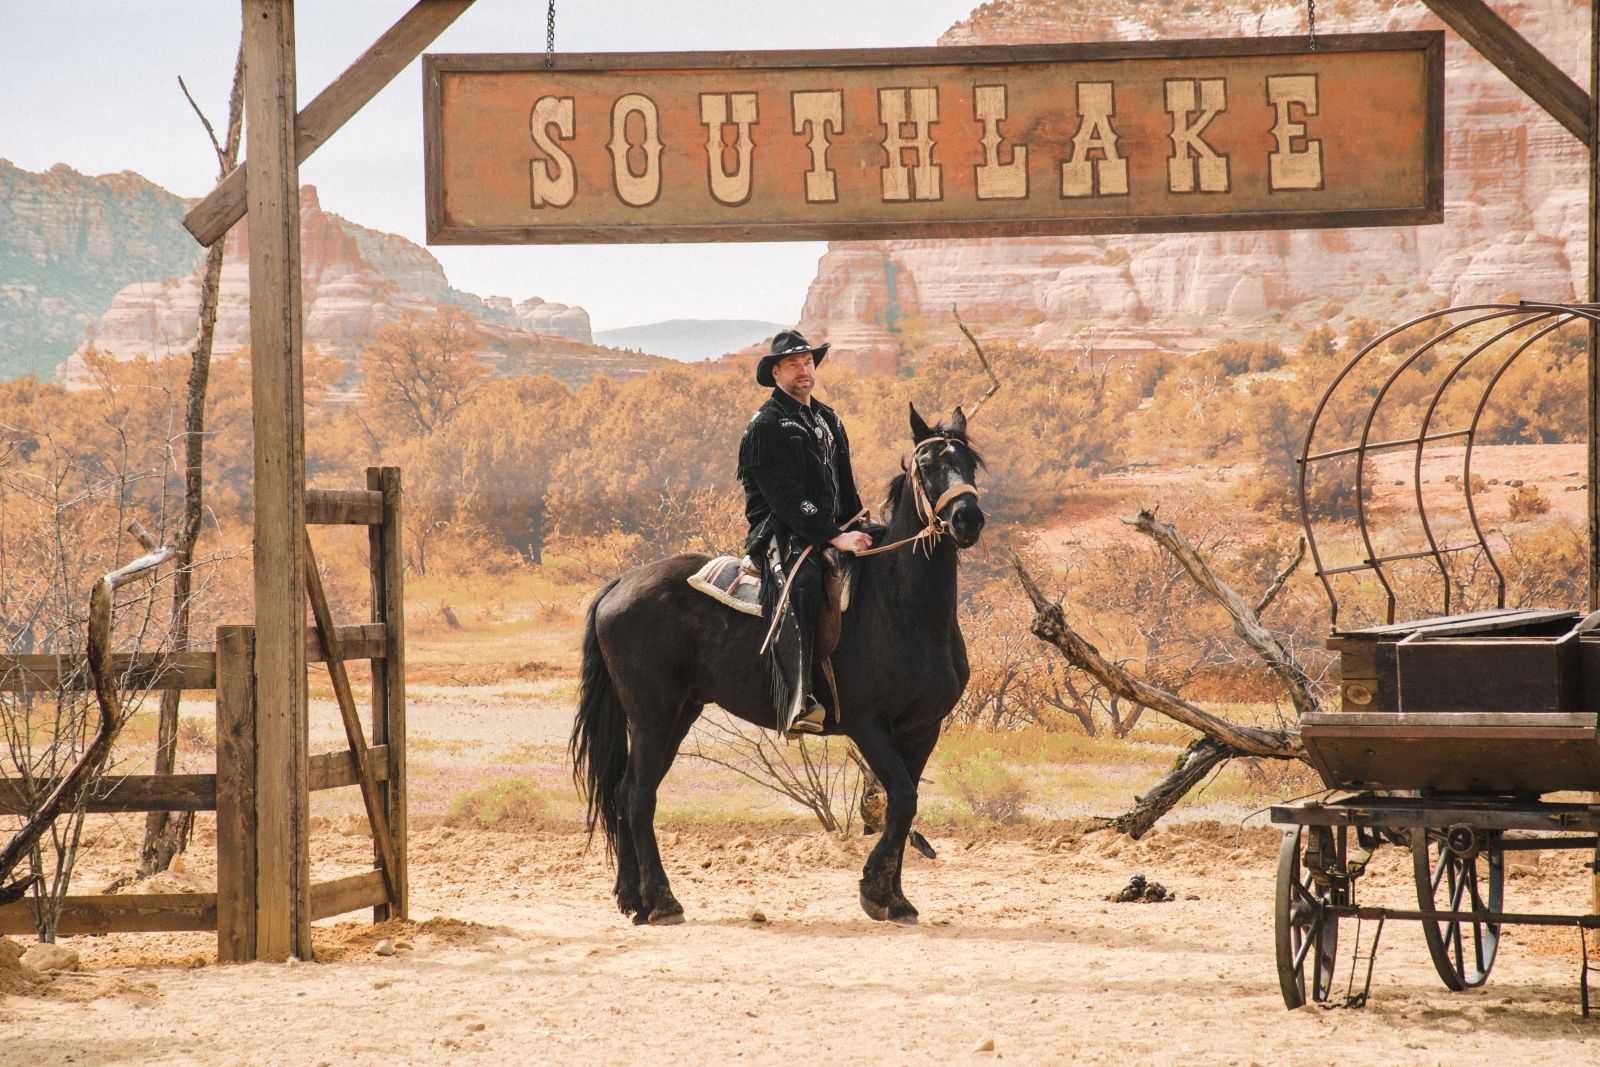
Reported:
(880, 879)
(917, 752)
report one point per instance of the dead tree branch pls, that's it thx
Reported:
(1222, 740)
(1050, 624)
(994, 386)
(814, 773)
(1245, 622)
(166, 833)
(1203, 755)
(98, 654)
(1276, 586)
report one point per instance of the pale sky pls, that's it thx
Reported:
(93, 84)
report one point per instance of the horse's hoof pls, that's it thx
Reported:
(666, 917)
(874, 910)
(904, 920)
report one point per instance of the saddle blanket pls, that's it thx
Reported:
(723, 579)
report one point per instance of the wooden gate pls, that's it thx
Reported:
(247, 873)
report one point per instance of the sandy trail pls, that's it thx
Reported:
(526, 961)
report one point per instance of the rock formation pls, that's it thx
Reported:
(356, 280)
(1515, 192)
(68, 242)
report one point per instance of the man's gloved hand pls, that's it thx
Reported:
(851, 541)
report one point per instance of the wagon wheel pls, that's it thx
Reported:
(1306, 933)
(1459, 870)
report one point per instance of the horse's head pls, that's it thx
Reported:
(943, 470)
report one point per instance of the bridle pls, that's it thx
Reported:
(933, 527)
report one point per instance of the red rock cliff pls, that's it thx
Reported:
(1515, 192)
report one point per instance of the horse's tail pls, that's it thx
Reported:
(599, 745)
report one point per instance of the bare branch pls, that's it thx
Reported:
(976, 347)
(1050, 624)
(1203, 755)
(1283, 576)
(67, 790)
(166, 833)
(1245, 622)
(216, 145)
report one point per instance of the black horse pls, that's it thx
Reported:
(656, 651)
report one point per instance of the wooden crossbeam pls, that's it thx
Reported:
(143, 792)
(370, 795)
(333, 107)
(330, 770)
(1525, 65)
(192, 792)
(344, 507)
(42, 672)
(341, 895)
(101, 913)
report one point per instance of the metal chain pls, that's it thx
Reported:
(550, 36)
(1311, 23)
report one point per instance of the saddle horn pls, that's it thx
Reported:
(976, 347)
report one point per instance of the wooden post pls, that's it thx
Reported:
(1594, 385)
(236, 794)
(283, 897)
(1594, 330)
(389, 674)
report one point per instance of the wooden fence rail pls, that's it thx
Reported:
(189, 792)
(233, 910)
(42, 672)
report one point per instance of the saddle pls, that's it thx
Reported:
(729, 581)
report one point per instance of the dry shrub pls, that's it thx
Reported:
(507, 802)
(822, 774)
(1545, 565)
(987, 786)
(1525, 502)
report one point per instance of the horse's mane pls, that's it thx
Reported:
(897, 484)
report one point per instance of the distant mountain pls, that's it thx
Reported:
(68, 243)
(691, 340)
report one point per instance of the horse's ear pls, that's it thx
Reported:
(919, 429)
(958, 421)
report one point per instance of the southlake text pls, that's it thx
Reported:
(911, 125)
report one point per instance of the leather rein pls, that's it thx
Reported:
(933, 526)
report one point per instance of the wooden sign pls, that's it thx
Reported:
(936, 142)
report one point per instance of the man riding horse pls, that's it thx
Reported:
(800, 497)
(657, 649)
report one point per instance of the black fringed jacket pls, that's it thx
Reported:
(794, 464)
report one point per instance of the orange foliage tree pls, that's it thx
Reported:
(419, 372)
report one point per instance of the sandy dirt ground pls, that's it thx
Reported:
(517, 956)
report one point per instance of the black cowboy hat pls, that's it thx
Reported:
(788, 343)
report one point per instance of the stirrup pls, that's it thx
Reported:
(808, 723)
